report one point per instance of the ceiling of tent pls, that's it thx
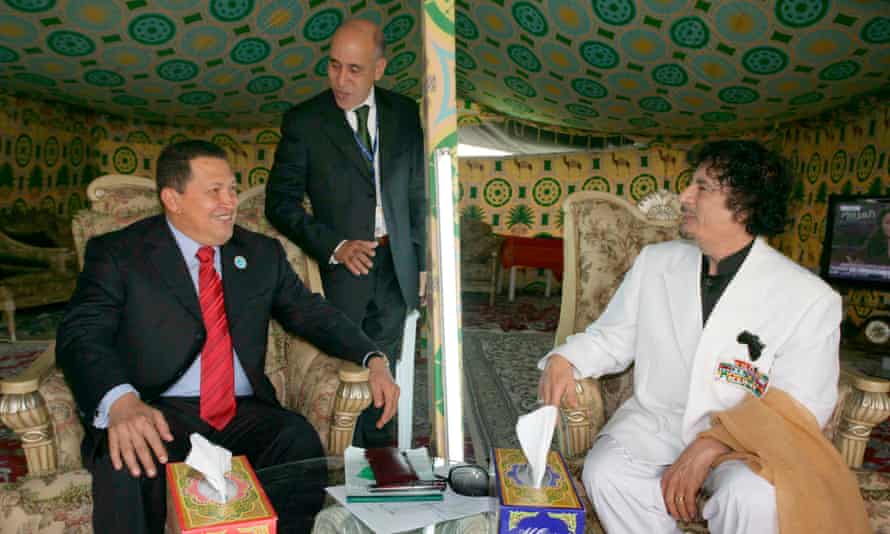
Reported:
(671, 67)
(238, 63)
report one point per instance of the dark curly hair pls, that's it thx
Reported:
(758, 181)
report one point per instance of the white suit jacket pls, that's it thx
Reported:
(655, 320)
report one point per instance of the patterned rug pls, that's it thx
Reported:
(527, 312)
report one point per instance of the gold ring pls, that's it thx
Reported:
(680, 499)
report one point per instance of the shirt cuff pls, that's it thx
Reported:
(368, 357)
(333, 260)
(100, 420)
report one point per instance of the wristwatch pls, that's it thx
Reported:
(376, 355)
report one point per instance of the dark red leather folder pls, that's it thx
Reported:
(390, 466)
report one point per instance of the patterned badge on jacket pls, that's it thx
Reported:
(744, 374)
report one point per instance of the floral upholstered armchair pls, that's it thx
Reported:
(479, 247)
(603, 234)
(39, 407)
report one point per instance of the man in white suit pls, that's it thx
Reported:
(694, 316)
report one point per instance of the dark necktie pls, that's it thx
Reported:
(217, 371)
(361, 113)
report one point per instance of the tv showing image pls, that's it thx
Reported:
(856, 251)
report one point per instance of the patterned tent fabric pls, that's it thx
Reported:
(672, 67)
(235, 62)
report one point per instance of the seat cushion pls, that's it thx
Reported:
(55, 504)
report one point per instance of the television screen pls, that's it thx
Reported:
(856, 251)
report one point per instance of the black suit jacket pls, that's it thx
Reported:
(135, 317)
(318, 156)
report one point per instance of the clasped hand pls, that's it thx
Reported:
(356, 255)
(384, 391)
(135, 431)
(681, 482)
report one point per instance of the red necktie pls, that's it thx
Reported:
(217, 372)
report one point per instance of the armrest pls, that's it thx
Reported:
(578, 426)
(23, 409)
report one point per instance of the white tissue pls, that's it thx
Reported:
(535, 432)
(213, 462)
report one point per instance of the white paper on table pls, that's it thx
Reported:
(535, 433)
(392, 517)
(213, 462)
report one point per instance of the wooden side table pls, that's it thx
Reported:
(7, 304)
(867, 406)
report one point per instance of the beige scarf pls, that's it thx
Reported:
(780, 440)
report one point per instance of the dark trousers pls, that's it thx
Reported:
(375, 302)
(266, 434)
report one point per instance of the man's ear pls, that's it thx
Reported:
(170, 200)
(379, 68)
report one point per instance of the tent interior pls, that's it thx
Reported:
(569, 96)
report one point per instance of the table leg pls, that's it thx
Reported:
(512, 294)
(862, 411)
(549, 276)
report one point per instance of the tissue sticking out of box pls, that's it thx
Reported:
(535, 432)
(213, 462)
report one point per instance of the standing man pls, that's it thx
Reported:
(166, 336)
(356, 151)
(708, 323)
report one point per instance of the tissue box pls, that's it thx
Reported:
(247, 510)
(554, 507)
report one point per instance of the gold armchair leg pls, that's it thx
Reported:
(579, 426)
(353, 396)
(862, 411)
(26, 414)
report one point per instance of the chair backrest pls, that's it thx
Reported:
(602, 235)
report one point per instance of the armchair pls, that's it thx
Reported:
(478, 257)
(39, 407)
(602, 236)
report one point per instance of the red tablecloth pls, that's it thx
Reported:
(543, 253)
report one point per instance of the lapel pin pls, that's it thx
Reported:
(240, 262)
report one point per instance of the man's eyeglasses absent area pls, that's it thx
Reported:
(468, 480)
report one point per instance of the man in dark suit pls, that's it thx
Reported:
(356, 150)
(155, 346)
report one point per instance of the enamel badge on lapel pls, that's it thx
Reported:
(240, 262)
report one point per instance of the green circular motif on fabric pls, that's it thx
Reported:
(124, 160)
(250, 50)
(643, 185)
(530, 18)
(497, 192)
(32, 6)
(655, 104)
(321, 68)
(670, 74)
(322, 25)
(765, 60)
(258, 176)
(524, 57)
(866, 163)
(806, 98)
(690, 32)
(104, 78)
(8, 55)
(68, 43)
(138, 137)
(546, 191)
(517, 106)
(178, 70)
(279, 106)
(23, 147)
(128, 100)
(839, 71)
(212, 115)
(814, 168)
(596, 183)
(520, 86)
(398, 28)
(600, 55)
(464, 60)
(738, 95)
(75, 151)
(801, 13)
(197, 98)
(683, 180)
(230, 10)
(582, 111)
(36, 79)
(405, 85)
(464, 26)
(465, 86)
(51, 151)
(876, 31)
(151, 29)
(838, 166)
(178, 138)
(225, 141)
(400, 63)
(589, 88)
(643, 122)
(267, 137)
(806, 227)
(265, 84)
(617, 12)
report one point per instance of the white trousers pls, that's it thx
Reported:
(626, 495)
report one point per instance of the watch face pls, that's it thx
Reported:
(877, 331)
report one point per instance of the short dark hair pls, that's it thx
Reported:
(758, 181)
(174, 164)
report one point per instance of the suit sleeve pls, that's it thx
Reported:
(285, 192)
(85, 341)
(309, 316)
(417, 194)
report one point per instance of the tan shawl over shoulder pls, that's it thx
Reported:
(780, 440)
